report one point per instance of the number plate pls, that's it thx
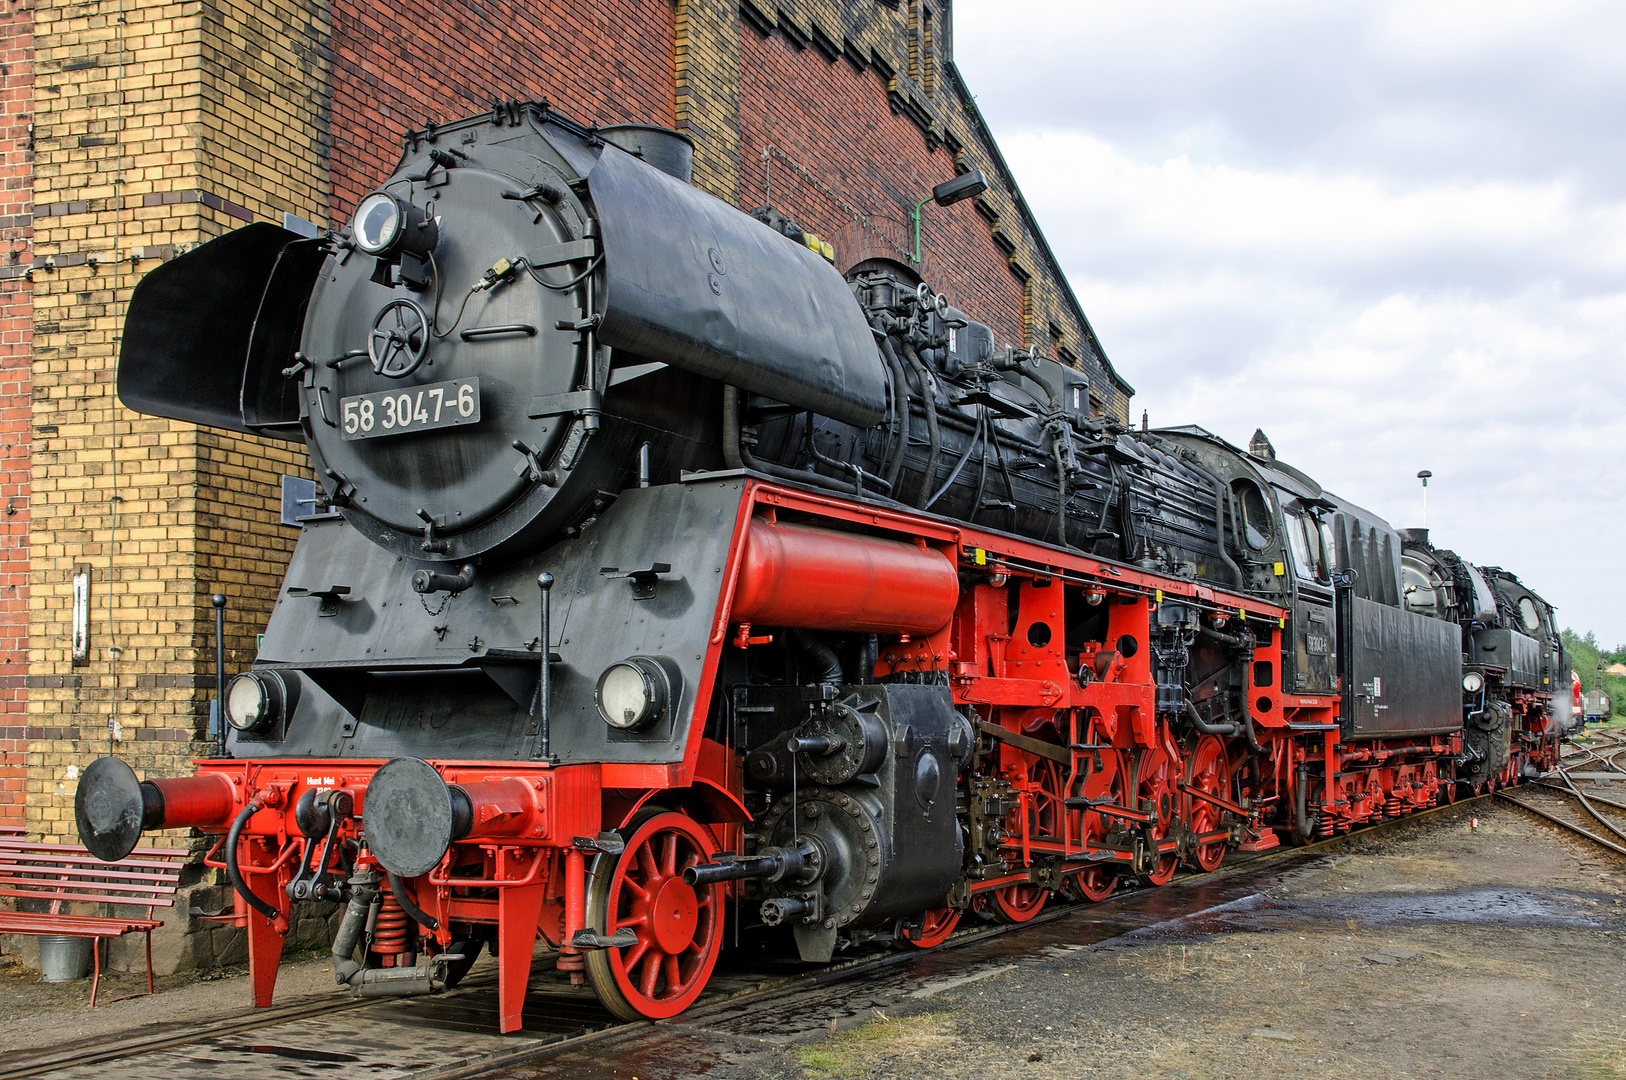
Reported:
(414, 408)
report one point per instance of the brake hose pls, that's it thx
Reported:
(236, 875)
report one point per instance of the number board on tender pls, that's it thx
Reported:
(413, 408)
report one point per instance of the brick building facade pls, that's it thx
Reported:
(133, 131)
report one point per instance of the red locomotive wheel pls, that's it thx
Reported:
(1017, 903)
(679, 926)
(1210, 772)
(1045, 807)
(1093, 883)
(935, 927)
(1155, 774)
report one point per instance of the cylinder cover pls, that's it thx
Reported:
(819, 579)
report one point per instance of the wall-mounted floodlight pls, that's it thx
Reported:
(967, 185)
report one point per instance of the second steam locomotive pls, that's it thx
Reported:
(665, 574)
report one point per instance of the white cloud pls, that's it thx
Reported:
(1392, 236)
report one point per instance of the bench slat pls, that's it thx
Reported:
(75, 852)
(113, 873)
(94, 898)
(16, 922)
(45, 890)
(62, 873)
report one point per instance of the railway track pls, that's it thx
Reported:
(1586, 794)
(451, 1036)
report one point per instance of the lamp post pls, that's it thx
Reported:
(965, 186)
(1423, 476)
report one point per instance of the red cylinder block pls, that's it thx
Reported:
(817, 579)
(205, 801)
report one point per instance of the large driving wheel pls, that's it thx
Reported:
(1155, 774)
(1099, 880)
(679, 927)
(1209, 771)
(1044, 808)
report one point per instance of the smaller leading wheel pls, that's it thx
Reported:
(1093, 883)
(1017, 903)
(935, 927)
(679, 927)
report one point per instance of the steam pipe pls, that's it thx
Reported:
(858, 474)
(933, 435)
(970, 448)
(236, 875)
(544, 686)
(1302, 801)
(1220, 503)
(1236, 641)
(1061, 490)
(1020, 367)
(816, 659)
(1224, 727)
(1247, 724)
(900, 397)
(738, 457)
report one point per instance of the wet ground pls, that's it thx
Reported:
(1484, 944)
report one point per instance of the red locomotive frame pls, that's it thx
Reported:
(1101, 784)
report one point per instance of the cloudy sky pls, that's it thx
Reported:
(1391, 234)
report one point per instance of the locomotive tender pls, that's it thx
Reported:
(664, 571)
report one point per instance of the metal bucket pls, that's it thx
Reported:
(63, 959)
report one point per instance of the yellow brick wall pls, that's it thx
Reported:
(706, 76)
(211, 114)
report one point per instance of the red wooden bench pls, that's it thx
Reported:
(66, 873)
(12, 830)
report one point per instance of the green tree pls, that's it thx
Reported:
(1584, 656)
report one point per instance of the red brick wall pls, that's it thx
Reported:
(597, 61)
(835, 122)
(16, 332)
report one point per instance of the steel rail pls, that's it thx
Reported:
(855, 968)
(93, 1056)
(1570, 825)
(774, 990)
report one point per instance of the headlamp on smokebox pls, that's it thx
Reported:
(636, 693)
(400, 235)
(255, 700)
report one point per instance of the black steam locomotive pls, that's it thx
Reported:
(662, 570)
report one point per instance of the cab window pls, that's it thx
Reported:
(1304, 538)
(1255, 511)
(1528, 612)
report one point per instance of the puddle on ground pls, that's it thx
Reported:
(1261, 913)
